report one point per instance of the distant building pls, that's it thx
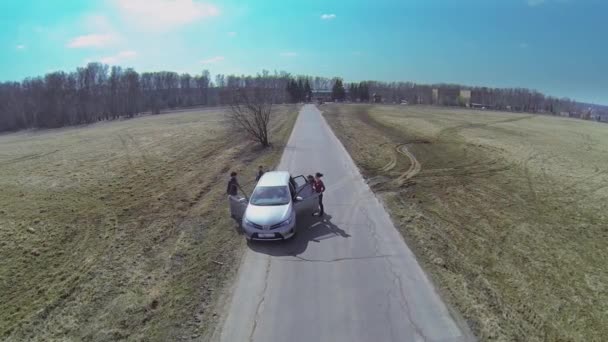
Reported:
(595, 115)
(451, 97)
(481, 98)
(465, 98)
(321, 95)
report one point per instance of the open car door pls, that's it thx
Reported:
(299, 183)
(238, 205)
(309, 198)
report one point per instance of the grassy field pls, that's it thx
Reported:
(507, 212)
(120, 230)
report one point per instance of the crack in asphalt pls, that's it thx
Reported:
(397, 283)
(403, 301)
(388, 313)
(372, 229)
(261, 302)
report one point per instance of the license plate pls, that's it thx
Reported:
(266, 235)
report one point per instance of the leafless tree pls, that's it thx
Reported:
(251, 108)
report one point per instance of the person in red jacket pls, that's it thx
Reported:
(320, 189)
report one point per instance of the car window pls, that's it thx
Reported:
(299, 181)
(270, 195)
(292, 182)
(292, 190)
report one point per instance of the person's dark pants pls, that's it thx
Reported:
(321, 211)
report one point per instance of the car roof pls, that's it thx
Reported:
(274, 178)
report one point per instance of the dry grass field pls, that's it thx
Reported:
(507, 212)
(120, 230)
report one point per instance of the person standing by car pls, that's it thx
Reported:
(233, 185)
(237, 203)
(319, 187)
(259, 174)
(310, 180)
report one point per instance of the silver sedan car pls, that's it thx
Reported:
(273, 206)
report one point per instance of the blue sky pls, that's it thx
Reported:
(556, 46)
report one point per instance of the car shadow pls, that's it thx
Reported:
(311, 229)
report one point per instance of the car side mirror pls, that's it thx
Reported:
(299, 198)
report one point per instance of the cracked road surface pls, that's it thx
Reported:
(347, 277)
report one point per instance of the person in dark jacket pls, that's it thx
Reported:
(310, 179)
(233, 185)
(260, 173)
(237, 203)
(319, 187)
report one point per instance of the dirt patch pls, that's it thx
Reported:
(120, 231)
(506, 211)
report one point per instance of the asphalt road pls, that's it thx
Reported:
(349, 277)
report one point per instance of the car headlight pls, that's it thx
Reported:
(286, 222)
(281, 224)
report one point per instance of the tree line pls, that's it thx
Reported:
(299, 89)
(505, 99)
(98, 92)
(359, 92)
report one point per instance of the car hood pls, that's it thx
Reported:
(267, 215)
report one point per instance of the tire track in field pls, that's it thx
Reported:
(27, 157)
(529, 181)
(451, 131)
(415, 166)
(392, 163)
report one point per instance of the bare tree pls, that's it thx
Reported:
(251, 108)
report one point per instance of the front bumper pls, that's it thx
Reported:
(281, 233)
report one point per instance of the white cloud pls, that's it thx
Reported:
(20, 47)
(328, 16)
(289, 54)
(213, 60)
(164, 14)
(534, 3)
(232, 34)
(92, 40)
(119, 57)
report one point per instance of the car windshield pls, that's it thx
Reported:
(270, 195)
